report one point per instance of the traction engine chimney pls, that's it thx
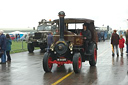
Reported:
(61, 15)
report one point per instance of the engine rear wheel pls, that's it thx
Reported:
(77, 62)
(93, 60)
(30, 47)
(47, 59)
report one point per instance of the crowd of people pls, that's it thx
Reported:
(118, 41)
(17, 37)
(5, 47)
(101, 36)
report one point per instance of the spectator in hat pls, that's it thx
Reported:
(86, 33)
(115, 43)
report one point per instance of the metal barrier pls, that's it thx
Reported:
(18, 46)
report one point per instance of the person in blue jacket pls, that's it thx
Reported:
(49, 40)
(8, 47)
(102, 35)
(3, 47)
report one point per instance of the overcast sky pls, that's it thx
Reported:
(27, 13)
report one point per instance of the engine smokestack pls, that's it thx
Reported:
(61, 15)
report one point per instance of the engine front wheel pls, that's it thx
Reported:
(93, 60)
(47, 62)
(77, 62)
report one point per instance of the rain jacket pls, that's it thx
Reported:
(86, 34)
(50, 39)
(2, 42)
(121, 43)
(8, 44)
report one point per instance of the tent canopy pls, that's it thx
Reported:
(17, 32)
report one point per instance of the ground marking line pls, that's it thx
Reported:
(103, 52)
(62, 78)
(58, 81)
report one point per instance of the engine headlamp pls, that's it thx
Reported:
(71, 46)
(52, 47)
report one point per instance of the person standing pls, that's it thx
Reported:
(49, 40)
(121, 44)
(126, 41)
(8, 47)
(115, 42)
(99, 36)
(86, 33)
(15, 37)
(3, 47)
(18, 37)
(102, 35)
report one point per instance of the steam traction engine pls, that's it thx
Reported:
(68, 48)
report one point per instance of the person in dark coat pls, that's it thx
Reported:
(3, 47)
(8, 47)
(126, 41)
(49, 40)
(115, 42)
(99, 36)
(86, 36)
(16, 37)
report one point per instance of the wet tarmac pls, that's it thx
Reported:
(26, 69)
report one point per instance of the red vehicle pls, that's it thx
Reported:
(12, 37)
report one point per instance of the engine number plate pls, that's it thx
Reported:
(61, 59)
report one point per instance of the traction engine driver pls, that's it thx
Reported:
(86, 37)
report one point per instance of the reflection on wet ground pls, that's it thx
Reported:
(117, 60)
(26, 69)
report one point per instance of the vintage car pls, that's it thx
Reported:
(39, 38)
(68, 48)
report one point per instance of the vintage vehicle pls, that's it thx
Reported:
(39, 38)
(68, 48)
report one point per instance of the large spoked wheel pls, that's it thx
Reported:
(47, 62)
(77, 62)
(93, 60)
(30, 47)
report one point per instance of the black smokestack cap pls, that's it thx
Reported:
(61, 14)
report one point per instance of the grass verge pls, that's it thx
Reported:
(20, 46)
